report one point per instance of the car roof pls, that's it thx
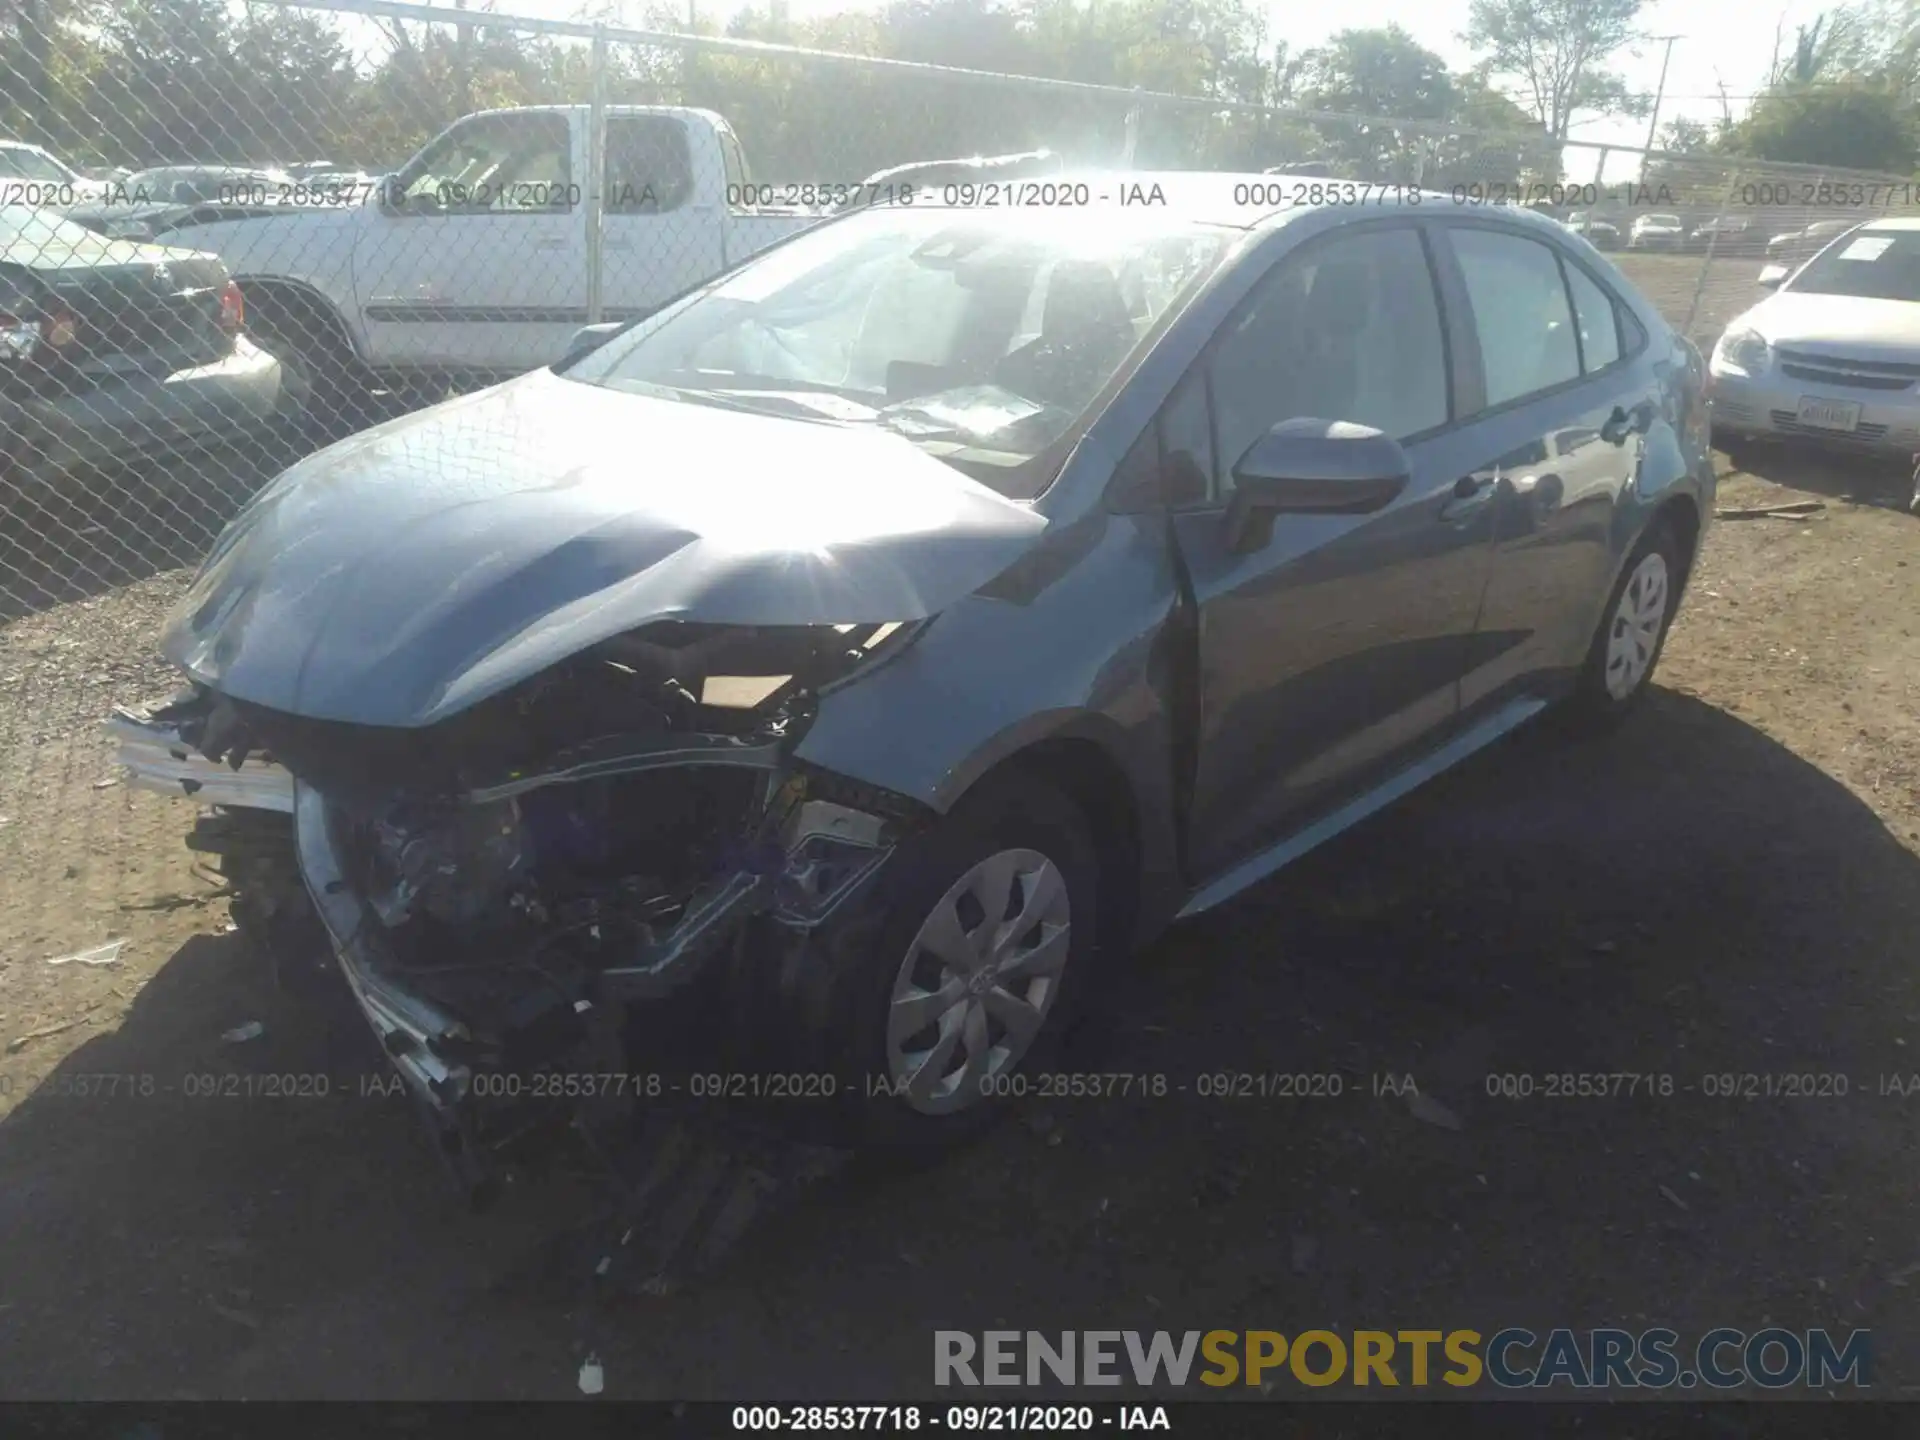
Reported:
(1892, 222)
(1250, 200)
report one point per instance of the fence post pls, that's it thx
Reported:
(1600, 171)
(1706, 262)
(1133, 131)
(596, 173)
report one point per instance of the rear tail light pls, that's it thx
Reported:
(35, 338)
(19, 337)
(233, 309)
(57, 330)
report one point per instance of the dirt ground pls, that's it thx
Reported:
(1729, 886)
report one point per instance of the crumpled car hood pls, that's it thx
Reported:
(411, 571)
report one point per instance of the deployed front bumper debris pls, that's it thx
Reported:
(159, 757)
(497, 938)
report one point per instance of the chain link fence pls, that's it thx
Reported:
(1695, 232)
(362, 207)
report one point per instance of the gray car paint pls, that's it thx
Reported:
(1118, 604)
(405, 574)
(1092, 637)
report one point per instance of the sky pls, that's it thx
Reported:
(1723, 43)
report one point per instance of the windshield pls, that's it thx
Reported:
(1875, 265)
(18, 163)
(984, 338)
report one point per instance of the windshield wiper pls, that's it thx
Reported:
(747, 402)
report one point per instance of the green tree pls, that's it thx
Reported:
(1558, 49)
(1862, 125)
(1385, 73)
(1494, 141)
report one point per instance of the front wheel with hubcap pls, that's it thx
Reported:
(976, 983)
(1633, 631)
(958, 976)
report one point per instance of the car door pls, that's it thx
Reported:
(659, 235)
(1335, 650)
(1565, 406)
(477, 257)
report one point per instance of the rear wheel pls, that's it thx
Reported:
(1633, 631)
(323, 391)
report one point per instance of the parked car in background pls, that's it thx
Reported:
(1833, 355)
(1727, 235)
(472, 260)
(996, 586)
(1799, 244)
(1656, 232)
(926, 181)
(111, 350)
(1601, 234)
(151, 203)
(33, 176)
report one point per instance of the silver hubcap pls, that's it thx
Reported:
(978, 980)
(1635, 631)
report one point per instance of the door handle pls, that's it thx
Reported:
(1470, 492)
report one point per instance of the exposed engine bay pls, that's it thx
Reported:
(500, 888)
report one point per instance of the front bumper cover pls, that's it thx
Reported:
(826, 853)
(1766, 407)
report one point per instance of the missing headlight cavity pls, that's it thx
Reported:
(623, 698)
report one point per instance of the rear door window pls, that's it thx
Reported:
(1521, 312)
(1594, 313)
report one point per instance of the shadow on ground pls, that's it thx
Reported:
(1686, 899)
(1862, 479)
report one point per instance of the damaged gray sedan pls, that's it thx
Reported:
(858, 658)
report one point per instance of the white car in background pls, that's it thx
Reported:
(37, 178)
(1657, 232)
(1833, 355)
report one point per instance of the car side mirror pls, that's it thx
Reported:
(1309, 466)
(589, 338)
(1773, 276)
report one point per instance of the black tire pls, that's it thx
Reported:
(323, 387)
(1739, 450)
(837, 1009)
(1601, 698)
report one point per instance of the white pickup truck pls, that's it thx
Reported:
(475, 256)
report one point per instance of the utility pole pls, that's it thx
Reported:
(1659, 94)
(689, 61)
(462, 65)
